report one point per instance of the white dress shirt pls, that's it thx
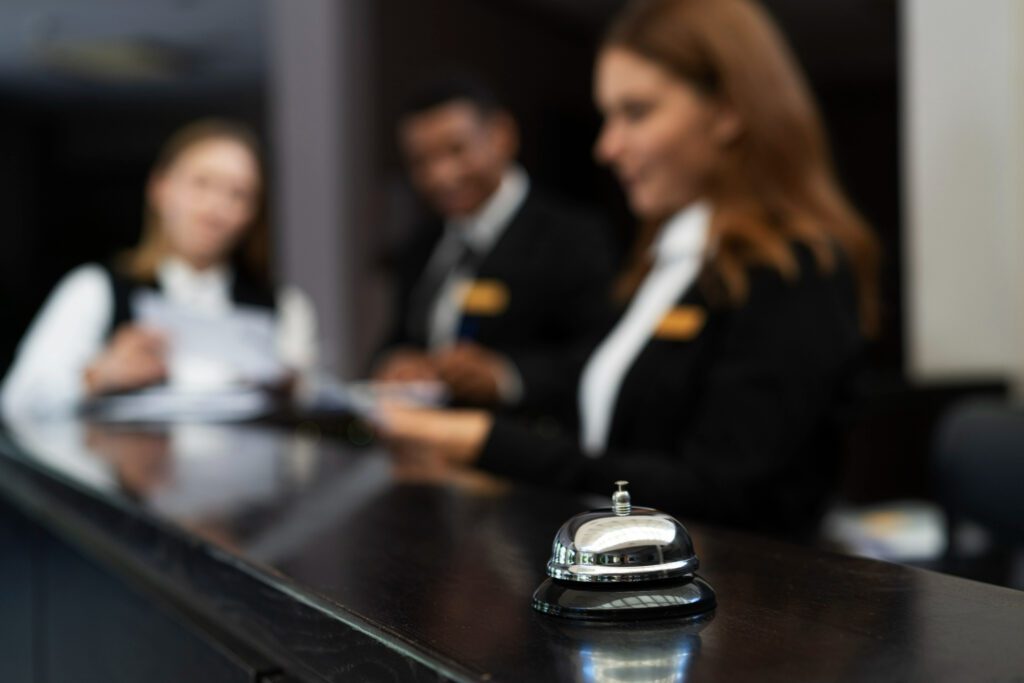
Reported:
(678, 254)
(204, 291)
(47, 376)
(480, 232)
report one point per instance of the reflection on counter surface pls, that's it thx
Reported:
(291, 536)
(223, 482)
(652, 652)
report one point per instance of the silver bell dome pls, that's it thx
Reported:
(623, 562)
(620, 544)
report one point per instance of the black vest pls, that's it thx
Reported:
(246, 290)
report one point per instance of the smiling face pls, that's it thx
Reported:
(457, 155)
(206, 199)
(662, 137)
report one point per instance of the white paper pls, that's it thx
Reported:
(213, 351)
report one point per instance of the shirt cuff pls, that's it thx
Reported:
(510, 384)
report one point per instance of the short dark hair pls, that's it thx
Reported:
(450, 89)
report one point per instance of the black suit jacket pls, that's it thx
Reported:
(555, 264)
(730, 421)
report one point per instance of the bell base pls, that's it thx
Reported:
(613, 602)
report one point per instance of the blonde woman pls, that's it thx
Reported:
(203, 256)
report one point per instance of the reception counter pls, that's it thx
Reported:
(253, 553)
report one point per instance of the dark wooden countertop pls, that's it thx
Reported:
(349, 564)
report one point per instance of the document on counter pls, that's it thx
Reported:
(213, 351)
(168, 404)
(217, 366)
(362, 398)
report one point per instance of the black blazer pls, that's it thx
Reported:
(555, 265)
(726, 417)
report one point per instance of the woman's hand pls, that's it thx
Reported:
(452, 436)
(135, 358)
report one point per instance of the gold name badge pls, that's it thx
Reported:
(682, 323)
(485, 297)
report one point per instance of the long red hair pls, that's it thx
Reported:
(776, 183)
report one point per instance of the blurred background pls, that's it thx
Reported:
(923, 100)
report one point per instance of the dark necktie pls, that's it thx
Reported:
(424, 296)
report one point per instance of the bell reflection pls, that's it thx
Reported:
(662, 652)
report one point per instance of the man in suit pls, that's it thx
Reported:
(504, 286)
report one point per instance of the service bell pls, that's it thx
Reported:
(623, 562)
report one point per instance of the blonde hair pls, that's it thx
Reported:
(253, 253)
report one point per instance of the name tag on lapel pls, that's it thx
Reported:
(681, 323)
(485, 298)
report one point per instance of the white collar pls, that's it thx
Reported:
(683, 235)
(176, 273)
(483, 228)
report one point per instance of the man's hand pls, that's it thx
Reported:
(406, 365)
(474, 374)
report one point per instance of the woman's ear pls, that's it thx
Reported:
(727, 125)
